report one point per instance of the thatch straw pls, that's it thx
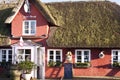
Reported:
(85, 24)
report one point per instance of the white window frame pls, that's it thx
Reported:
(30, 33)
(113, 55)
(7, 54)
(54, 54)
(82, 54)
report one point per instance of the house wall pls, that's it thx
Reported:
(17, 23)
(99, 66)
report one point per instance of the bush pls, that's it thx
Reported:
(26, 66)
(54, 64)
(116, 64)
(82, 65)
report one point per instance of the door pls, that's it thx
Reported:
(68, 71)
(41, 63)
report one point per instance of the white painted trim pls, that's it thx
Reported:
(43, 62)
(23, 27)
(82, 54)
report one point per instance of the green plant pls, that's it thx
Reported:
(58, 64)
(116, 64)
(54, 64)
(26, 66)
(82, 65)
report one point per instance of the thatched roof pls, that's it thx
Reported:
(5, 10)
(85, 24)
(41, 7)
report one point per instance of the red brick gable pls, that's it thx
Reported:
(17, 23)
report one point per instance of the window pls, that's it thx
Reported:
(115, 56)
(29, 27)
(55, 55)
(82, 56)
(24, 54)
(6, 55)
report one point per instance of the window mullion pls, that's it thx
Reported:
(54, 55)
(6, 55)
(61, 55)
(75, 56)
(118, 56)
(29, 27)
(48, 56)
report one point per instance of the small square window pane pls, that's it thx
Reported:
(3, 56)
(26, 23)
(26, 31)
(33, 23)
(115, 52)
(3, 52)
(86, 52)
(51, 52)
(26, 27)
(51, 57)
(115, 58)
(78, 57)
(78, 52)
(57, 53)
(28, 51)
(57, 57)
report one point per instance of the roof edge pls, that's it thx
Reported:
(45, 11)
(14, 12)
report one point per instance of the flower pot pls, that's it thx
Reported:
(26, 76)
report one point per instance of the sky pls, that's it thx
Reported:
(117, 1)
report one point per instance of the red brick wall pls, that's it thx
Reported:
(99, 66)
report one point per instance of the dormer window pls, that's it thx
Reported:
(29, 27)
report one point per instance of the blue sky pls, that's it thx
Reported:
(117, 1)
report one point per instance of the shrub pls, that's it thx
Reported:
(26, 66)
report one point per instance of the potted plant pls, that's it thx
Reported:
(26, 67)
(54, 64)
(116, 64)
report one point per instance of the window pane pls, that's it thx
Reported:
(51, 56)
(86, 56)
(58, 57)
(115, 53)
(78, 52)
(57, 53)
(4, 55)
(115, 58)
(86, 52)
(26, 23)
(79, 56)
(33, 27)
(51, 52)
(26, 27)
(10, 55)
(29, 27)
(20, 51)
(27, 51)
(28, 54)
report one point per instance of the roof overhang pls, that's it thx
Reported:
(26, 43)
